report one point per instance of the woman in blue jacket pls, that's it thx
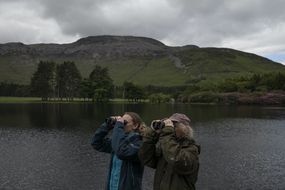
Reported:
(126, 170)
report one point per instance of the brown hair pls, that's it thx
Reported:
(136, 118)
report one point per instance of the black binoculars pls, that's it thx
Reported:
(111, 121)
(156, 125)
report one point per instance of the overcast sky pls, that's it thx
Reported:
(256, 26)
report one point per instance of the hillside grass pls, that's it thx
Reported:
(215, 64)
(17, 70)
(159, 71)
(202, 66)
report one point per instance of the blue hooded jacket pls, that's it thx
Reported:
(124, 149)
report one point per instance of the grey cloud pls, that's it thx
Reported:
(203, 23)
(109, 17)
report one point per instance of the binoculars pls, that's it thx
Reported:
(157, 125)
(111, 121)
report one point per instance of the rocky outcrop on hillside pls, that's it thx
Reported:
(90, 47)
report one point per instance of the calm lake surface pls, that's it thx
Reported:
(47, 146)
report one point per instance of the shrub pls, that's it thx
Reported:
(159, 98)
(206, 97)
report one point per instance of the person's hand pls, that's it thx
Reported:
(120, 119)
(168, 123)
(116, 117)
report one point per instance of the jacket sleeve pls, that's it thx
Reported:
(147, 152)
(183, 158)
(100, 142)
(125, 146)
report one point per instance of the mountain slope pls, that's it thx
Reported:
(138, 59)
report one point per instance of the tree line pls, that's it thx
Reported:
(245, 89)
(13, 89)
(63, 81)
(53, 81)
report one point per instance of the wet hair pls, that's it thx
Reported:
(135, 117)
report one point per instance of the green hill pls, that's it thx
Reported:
(140, 60)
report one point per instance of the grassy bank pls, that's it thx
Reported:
(235, 98)
(19, 99)
(39, 100)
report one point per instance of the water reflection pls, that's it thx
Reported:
(86, 116)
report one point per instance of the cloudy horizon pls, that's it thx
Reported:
(255, 26)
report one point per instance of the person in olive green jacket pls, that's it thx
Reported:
(168, 146)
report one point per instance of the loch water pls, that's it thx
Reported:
(47, 146)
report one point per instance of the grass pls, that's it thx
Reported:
(160, 72)
(19, 99)
(4, 99)
(16, 70)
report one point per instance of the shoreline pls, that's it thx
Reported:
(226, 99)
(10, 99)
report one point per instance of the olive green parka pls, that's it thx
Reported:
(175, 160)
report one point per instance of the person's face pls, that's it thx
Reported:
(130, 126)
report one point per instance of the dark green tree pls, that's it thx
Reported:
(12, 89)
(228, 85)
(68, 80)
(159, 98)
(278, 81)
(133, 92)
(101, 84)
(86, 90)
(100, 94)
(43, 81)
